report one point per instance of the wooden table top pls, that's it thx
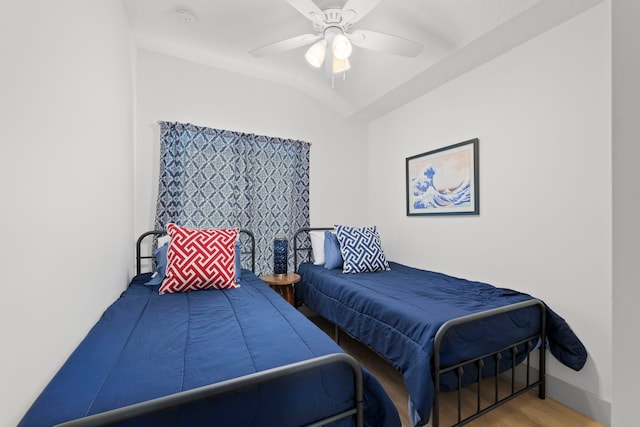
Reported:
(281, 279)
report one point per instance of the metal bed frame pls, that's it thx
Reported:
(211, 390)
(301, 244)
(245, 236)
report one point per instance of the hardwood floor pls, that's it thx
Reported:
(526, 410)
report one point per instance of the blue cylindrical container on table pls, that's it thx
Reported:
(280, 255)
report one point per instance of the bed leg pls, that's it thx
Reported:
(542, 392)
(543, 353)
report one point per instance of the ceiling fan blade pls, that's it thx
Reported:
(284, 45)
(382, 42)
(306, 7)
(358, 9)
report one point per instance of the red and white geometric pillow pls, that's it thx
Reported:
(200, 259)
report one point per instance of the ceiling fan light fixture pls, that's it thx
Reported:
(315, 54)
(341, 47)
(334, 37)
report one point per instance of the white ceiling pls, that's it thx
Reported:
(457, 36)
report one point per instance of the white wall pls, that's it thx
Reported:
(171, 89)
(626, 211)
(66, 173)
(542, 114)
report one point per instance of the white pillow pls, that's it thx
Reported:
(317, 247)
(163, 239)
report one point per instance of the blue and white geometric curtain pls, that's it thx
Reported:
(211, 178)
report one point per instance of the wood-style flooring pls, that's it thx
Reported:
(526, 410)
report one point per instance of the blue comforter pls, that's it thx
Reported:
(148, 345)
(398, 313)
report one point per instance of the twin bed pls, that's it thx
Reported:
(244, 356)
(235, 357)
(440, 332)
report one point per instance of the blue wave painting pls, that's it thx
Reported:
(426, 195)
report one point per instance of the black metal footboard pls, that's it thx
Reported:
(177, 399)
(529, 344)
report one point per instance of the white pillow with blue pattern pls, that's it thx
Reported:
(361, 249)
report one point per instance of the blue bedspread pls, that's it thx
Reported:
(148, 345)
(398, 313)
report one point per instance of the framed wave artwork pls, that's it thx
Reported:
(444, 181)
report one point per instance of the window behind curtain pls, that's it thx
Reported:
(212, 178)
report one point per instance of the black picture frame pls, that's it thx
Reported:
(444, 181)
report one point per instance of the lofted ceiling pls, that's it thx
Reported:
(457, 35)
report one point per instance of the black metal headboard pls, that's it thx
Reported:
(246, 237)
(302, 243)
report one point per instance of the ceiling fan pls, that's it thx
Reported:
(334, 30)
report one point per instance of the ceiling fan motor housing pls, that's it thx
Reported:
(331, 18)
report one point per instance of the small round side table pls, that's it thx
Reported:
(282, 284)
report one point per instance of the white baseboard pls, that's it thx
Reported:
(577, 399)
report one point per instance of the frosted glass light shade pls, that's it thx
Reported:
(340, 65)
(315, 54)
(341, 47)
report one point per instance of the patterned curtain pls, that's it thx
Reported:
(211, 178)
